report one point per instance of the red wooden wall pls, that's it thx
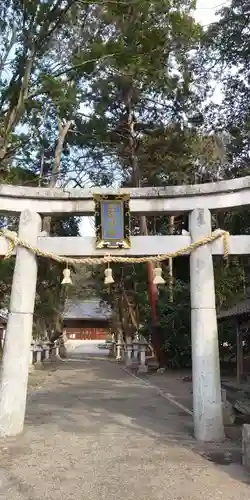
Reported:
(88, 333)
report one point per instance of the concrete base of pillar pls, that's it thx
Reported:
(246, 446)
(142, 369)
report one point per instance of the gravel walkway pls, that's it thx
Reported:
(93, 432)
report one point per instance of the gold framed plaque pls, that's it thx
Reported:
(112, 221)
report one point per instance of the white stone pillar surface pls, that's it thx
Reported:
(38, 355)
(135, 347)
(142, 368)
(16, 355)
(118, 351)
(46, 352)
(129, 346)
(123, 351)
(207, 407)
(119, 348)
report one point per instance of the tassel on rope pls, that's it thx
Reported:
(66, 277)
(158, 279)
(12, 242)
(225, 239)
(226, 247)
(108, 277)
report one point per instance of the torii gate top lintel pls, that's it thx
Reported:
(148, 200)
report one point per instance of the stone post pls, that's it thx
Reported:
(38, 362)
(31, 359)
(135, 348)
(207, 407)
(31, 354)
(38, 351)
(142, 368)
(119, 348)
(113, 347)
(46, 349)
(129, 346)
(16, 355)
(55, 354)
(123, 351)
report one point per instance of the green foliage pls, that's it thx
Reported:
(50, 295)
(151, 78)
(227, 42)
(174, 326)
(229, 282)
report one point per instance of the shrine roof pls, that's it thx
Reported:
(86, 309)
(239, 309)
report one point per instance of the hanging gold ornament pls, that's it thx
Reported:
(158, 279)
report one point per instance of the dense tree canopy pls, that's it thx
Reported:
(120, 93)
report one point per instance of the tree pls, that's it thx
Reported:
(227, 43)
(111, 94)
(148, 74)
(39, 95)
(50, 296)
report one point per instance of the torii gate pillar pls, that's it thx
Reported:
(207, 407)
(15, 364)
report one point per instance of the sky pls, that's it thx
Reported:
(204, 14)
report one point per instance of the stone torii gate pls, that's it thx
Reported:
(197, 200)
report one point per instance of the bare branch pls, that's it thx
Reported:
(9, 46)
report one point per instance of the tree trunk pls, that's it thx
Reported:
(130, 310)
(15, 113)
(63, 130)
(152, 289)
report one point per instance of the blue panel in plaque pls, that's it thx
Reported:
(112, 220)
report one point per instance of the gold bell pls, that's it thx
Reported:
(158, 279)
(108, 280)
(66, 277)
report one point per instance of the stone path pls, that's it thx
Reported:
(93, 432)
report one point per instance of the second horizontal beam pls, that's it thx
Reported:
(140, 246)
